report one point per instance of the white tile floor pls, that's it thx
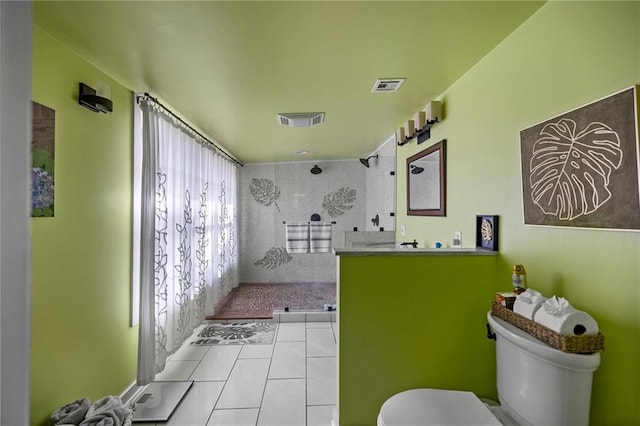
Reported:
(291, 382)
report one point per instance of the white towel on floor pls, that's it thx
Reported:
(72, 413)
(108, 411)
(320, 237)
(297, 237)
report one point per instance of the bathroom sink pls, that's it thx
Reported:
(382, 245)
(369, 239)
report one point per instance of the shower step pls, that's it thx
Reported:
(304, 316)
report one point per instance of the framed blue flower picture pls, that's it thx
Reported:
(42, 163)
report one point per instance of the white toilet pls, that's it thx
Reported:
(537, 385)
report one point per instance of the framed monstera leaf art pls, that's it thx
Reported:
(580, 169)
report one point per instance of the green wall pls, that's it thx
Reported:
(412, 321)
(82, 344)
(566, 55)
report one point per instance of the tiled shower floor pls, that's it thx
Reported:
(258, 301)
(291, 382)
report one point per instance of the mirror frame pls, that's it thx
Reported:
(442, 211)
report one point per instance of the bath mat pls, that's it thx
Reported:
(237, 333)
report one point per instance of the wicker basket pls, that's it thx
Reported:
(572, 344)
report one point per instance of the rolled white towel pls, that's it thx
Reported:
(527, 303)
(558, 315)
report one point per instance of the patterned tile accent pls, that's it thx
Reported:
(237, 333)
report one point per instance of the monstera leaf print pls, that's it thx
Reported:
(336, 203)
(265, 192)
(276, 256)
(570, 168)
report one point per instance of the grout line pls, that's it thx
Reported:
(213, 408)
(199, 362)
(224, 381)
(286, 378)
(307, 357)
(264, 389)
(225, 384)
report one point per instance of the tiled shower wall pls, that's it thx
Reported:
(290, 192)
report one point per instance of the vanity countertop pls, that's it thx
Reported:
(396, 251)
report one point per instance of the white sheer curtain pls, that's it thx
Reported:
(188, 232)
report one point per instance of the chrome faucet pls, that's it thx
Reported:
(414, 243)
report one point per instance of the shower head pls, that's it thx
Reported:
(316, 170)
(365, 161)
(415, 170)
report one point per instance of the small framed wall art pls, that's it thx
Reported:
(487, 232)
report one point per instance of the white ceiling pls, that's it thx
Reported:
(229, 67)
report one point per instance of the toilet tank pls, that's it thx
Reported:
(540, 385)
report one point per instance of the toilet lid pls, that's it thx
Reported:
(435, 407)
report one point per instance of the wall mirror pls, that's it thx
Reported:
(426, 184)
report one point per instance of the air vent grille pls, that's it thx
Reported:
(386, 85)
(300, 119)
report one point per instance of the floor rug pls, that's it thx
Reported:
(236, 333)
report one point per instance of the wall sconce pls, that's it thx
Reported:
(420, 119)
(432, 114)
(405, 133)
(420, 126)
(434, 111)
(409, 128)
(400, 137)
(87, 98)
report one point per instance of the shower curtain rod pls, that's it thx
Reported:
(184, 123)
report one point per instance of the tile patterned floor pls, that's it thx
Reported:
(260, 300)
(291, 382)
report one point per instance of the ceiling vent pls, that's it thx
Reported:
(300, 119)
(384, 85)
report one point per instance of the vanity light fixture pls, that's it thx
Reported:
(420, 119)
(401, 137)
(420, 126)
(433, 112)
(410, 128)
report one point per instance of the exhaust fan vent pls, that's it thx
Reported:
(300, 119)
(384, 85)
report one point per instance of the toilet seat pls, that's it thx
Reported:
(417, 407)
